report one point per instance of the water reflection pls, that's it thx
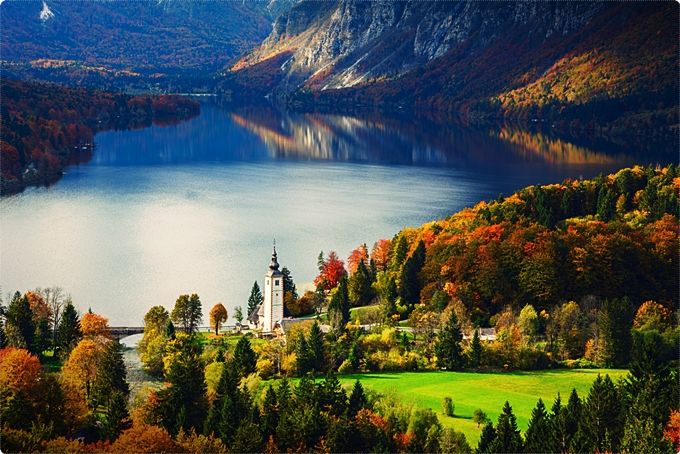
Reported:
(255, 134)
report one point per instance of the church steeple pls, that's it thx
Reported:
(274, 264)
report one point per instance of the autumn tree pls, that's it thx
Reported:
(151, 347)
(20, 380)
(42, 317)
(380, 254)
(83, 366)
(651, 315)
(143, 438)
(92, 325)
(332, 271)
(358, 255)
(218, 316)
(187, 312)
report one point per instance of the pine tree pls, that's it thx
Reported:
(508, 438)
(559, 441)
(476, 350)
(185, 400)
(338, 308)
(389, 298)
(68, 333)
(116, 416)
(270, 413)
(487, 439)
(410, 282)
(615, 322)
(255, 298)
(360, 288)
(316, 348)
(537, 436)
(448, 349)
(245, 358)
(601, 424)
(112, 376)
(288, 283)
(357, 400)
(20, 321)
(302, 356)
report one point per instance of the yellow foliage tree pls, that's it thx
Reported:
(82, 366)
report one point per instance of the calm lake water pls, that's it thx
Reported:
(194, 207)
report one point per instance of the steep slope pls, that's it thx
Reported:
(72, 38)
(517, 59)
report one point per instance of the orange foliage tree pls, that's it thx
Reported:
(381, 254)
(672, 430)
(331, 271)
(94, 325)
(360, 254)
(141, 438)
(218, 315)
(651, 315)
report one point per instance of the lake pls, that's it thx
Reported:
(194, 207)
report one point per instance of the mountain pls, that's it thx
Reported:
(551, 60)
(90, 40)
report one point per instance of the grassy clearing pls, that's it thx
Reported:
(487, 391)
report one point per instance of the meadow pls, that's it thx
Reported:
(488, 391)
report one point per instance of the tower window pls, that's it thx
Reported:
(276, 282)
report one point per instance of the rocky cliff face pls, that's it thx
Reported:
(348, 43)
(588, 62)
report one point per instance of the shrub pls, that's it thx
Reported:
(346, 367)
(447, 406)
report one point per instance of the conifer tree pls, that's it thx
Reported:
(357, 400)
(316, 348)
(117, 417)
(600, 425)
(410, 282)
(338, 308)
(20, 321)
(508, 438)
(486, 440)
(360, 288)
(558, 438)
(112, 376)
(448, 349)
(389, 298)
(270, 413)
(245, 358)
(302, 356)
(476, 350)
(537, 436)
(255, 298)
(615, 321)
(68, 333)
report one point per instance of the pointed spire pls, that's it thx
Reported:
(274, 264)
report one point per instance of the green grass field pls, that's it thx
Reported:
(487, 391)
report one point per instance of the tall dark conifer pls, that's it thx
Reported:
(448, 349)
(255, 298)
(537, 436)
(316, 348)
(508, 438)
(68, 333)
(20, 327)
(410, 281)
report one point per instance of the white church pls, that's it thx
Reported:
(268, 316)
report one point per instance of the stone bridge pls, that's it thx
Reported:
(119, 332)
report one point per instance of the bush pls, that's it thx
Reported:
(580, 363)
(447, 406)
(346, 367)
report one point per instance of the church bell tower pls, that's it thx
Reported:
(273, 295)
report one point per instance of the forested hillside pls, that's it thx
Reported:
(46, 126)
